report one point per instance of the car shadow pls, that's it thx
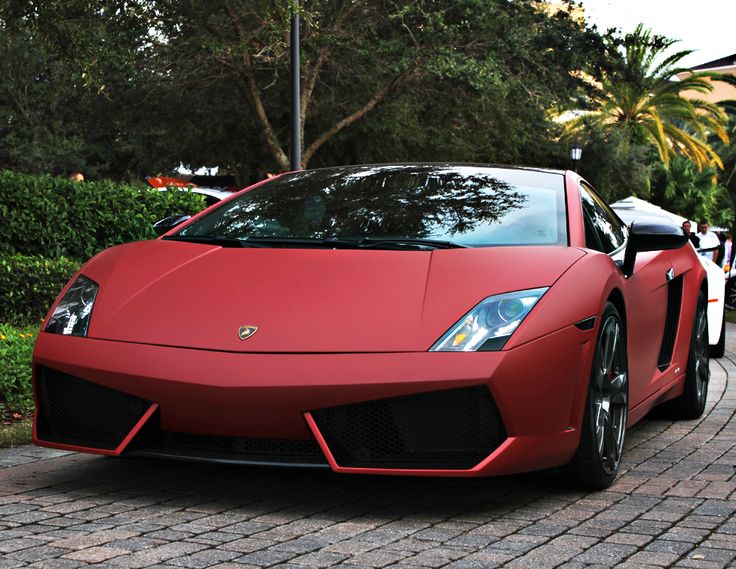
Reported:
(297, 493)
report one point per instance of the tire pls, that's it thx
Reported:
(719, 349)
(691, 404)
(730, 301)
(597, 460)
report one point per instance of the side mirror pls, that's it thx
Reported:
(651, 236)
(168, 223)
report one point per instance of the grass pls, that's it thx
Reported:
(16, 434)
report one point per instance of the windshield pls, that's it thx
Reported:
(468, 206)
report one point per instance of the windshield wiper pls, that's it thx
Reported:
(362, 243)
(217, 241)
(335, 243)
(407, 242)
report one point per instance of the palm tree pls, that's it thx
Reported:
(641, 98)
(695, 193)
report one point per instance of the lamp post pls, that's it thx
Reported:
(576, 153)
(296, 143)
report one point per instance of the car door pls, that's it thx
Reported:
(646, 296)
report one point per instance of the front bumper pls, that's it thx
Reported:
(536, 389)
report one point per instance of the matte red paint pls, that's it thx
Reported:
(304, 300)
(343, 326)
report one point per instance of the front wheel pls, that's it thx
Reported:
(599, 453)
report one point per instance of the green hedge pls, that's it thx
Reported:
(56, 217)
(29, 285)
(16, 349)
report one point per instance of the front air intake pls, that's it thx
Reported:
(77, 412)
(453, 429)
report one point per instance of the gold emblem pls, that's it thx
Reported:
(245, 332)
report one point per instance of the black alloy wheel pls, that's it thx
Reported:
(691, 404)
(730, 300)
(602, 436)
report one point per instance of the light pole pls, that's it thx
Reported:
(576, 153)
(296, 143)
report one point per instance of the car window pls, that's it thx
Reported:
(472, 206)
(600, 221)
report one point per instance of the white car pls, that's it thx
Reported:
(211, 195)
(716, 278)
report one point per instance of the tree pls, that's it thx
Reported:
(493, 66)
(151, 84)
(693, 193)
(640, 99)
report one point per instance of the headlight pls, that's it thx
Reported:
(71, 316)
(490, 324)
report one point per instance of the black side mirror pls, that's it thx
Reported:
(167, 223)
(651, 236)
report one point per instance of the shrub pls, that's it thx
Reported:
(55, 217)
(16, 349)
(29, 285)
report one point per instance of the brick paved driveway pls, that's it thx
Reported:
(673, 505)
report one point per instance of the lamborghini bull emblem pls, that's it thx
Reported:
(245, 332)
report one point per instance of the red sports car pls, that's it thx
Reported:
(415, 319)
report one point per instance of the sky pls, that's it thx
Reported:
(706, 25)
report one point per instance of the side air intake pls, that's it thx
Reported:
(671, 322)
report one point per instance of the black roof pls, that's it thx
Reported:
(722, 62)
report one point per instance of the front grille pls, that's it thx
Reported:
(77, 412)
(671, 322)
(248, 450)
(451, 429)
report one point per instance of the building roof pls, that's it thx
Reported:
(728, 61)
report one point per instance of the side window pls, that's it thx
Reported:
(604, 223)
(591, 238)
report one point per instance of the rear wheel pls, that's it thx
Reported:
(598, 457)
(691, 404)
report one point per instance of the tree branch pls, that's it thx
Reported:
(350, 119)
(311, 73)
(253, 93)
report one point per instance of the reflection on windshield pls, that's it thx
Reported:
(467, 205)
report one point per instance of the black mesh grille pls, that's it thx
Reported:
(671, 322)
(251, 450)
(78, 412)
(453, 429)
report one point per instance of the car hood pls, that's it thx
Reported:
(303, 300)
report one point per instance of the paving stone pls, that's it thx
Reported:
(36, 553)
(206, 558)
(266, 558)
(57, 564)
(319, 559)
(11, 545)
(92, 539)
(376, 558)
(96, 554)
(606, 554)
(154, 555)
